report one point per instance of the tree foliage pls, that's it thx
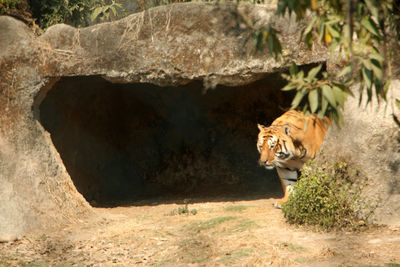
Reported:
(361, 35)
(78, 13)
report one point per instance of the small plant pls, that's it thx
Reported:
(183, 210)
(236, 208)
(328, 197)
(103, 11)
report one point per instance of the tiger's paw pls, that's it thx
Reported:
(277, 205)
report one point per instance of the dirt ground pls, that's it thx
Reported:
(214, 233)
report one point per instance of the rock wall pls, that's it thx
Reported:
(165, 46)
(370, 139)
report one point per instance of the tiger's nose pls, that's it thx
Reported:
(266, 164)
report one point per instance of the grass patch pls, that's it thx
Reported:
(294, 247)
(327, 197)
(236, 208)
(303, 260)
(244, 224)
(210, 223)
(234, 256)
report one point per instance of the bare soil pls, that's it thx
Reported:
(221, 233)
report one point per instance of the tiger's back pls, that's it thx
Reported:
(310, 136)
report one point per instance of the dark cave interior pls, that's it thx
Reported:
(131, 142)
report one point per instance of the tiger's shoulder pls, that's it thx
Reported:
(306, 131)
(300, 121)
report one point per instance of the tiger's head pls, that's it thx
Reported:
(275, 146)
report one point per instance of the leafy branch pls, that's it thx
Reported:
(105, 11)
(317, 92)
(359, 34)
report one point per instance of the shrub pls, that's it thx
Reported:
(327, 197)
(183, 210)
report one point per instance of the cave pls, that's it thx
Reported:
(131, 142)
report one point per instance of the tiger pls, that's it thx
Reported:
(289, 142)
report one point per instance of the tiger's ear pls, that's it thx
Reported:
(286, 129)
(261, 127)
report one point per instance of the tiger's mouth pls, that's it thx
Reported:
(269, 166)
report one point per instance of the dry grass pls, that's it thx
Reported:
(245, 233)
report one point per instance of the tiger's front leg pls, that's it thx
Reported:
(288, 180)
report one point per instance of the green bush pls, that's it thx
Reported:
(7, 5)
(4, 4)
(327, 197)
(78, 13)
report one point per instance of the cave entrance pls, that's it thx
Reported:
(130, 142)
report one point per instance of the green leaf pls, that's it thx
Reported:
(373, 7)
(321, 30)
(258, 36)
(313, 72)
(370, 25)
(398, 103)
(300, 76)
(96, 13)
(367, 77)
(377, 56)
(340, 116)
(282, 5)
(285, 76)
(289, 87)
(277, 45)
(366, 63)
(386, 86)
(324, 106)
(344, 88)
(379, 89)
(293, 69)
(345, 71)
(340, 96)
(328, 94)
(297, 99)
(114, 11)
(308, 40)
(313, 100)
(270, 42)
(310, 26)
(377, 69)
(335, 33)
